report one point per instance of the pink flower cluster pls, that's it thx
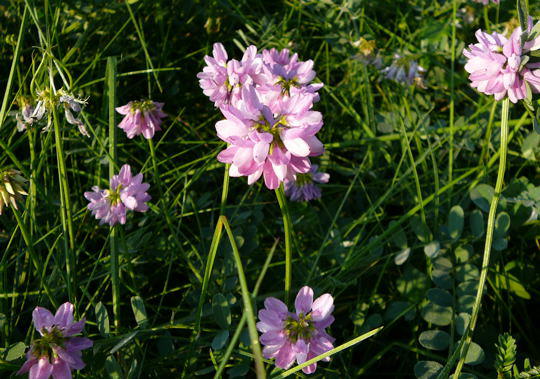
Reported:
(299, 336)
(141, 117)
(267, 102)
(57, 352)
(304, 187)
(126, 192)
(486, 2)
(501, 66)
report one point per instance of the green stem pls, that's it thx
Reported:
(452, 89)
(65, 209)
(240, 326)
(287, 225)
(33, 257)
(252, 328)
(213, 250)
(113, 240)
(467, 336)
(14, 63)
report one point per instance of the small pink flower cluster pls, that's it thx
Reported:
(126, 192)
(141, 117)
(486, 2)
(501, 66)
(267, 102)
(298, 336)
(57, 352)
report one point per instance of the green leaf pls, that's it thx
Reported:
(102, 319)
(475, 355)
(221, 310)
(481, 195)
(523, 14)
(413, 284)
(15, 351)
(466, 272)
(434, 339)
(427, 369)
(139, 311)
(442, 268)
(500, 244)
(529, 146)
(420, 229)
(398, 238)
(402, 256)
(462, 321)
(238, 371)
(477, 223)
(510, 283)
(432, 249)
(440, 297)
(220, 339)
(466, 303)
(463, 253)
(113, 368)
(436, 314)
(396, 308)
(502, 224)
(455, 222)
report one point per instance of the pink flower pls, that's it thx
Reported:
(126, 192)
(286, 75)
(304, 187)
(499, 66)
(299, 336)
(57, 352)
(273, 140)
(222, 80)
(141, 117)
(486, 2)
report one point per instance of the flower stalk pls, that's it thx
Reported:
(287, 225)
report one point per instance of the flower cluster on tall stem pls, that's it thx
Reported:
(126, 192)
(11, 188)
(503, 67)
(297, 336)
(267, 102)
(141, 117)
(58, 351)
(304, 187)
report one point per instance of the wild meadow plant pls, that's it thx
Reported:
(400, 119)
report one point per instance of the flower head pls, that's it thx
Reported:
(298, 336)
(486, 2)
(11, 188)
(126, 192)
(57, 352)
(501, 66)
(404, 70)
(304, 187)
(141, 117)
(222, 79)
(273, 140)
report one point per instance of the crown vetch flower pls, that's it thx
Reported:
(222, 80)
(141, 117)
(405, 70)
(126, 192)
(501, 66)
(57, 352)
(272, 140)
(486, 2)
(298, 336)
(304, 187)
(286, 75)
(11, 188)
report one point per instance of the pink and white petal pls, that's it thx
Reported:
(273, 337)
(64, 315)
(304, 300)
(297, 146)
(41, 370)
(43, 318)
(301, 349)
(260, 151)
(286, 356)
(75, 328)
(27, 365)
(252, 178)
(322, 307)
(61, 369)
(78, 343)
(276, 305)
